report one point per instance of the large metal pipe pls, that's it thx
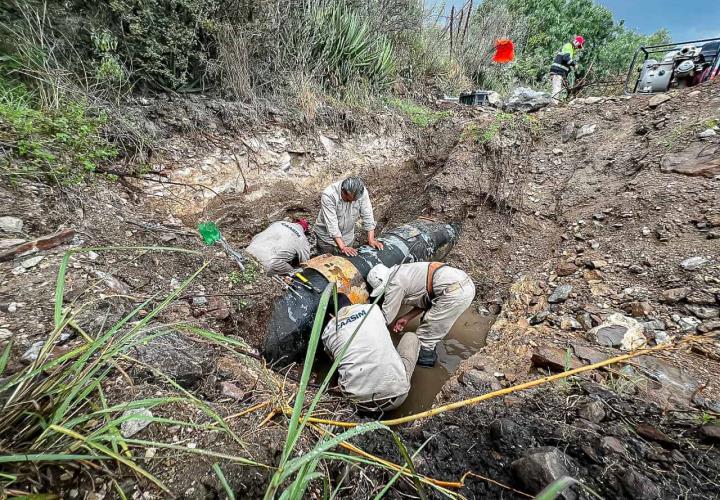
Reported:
(293, 315)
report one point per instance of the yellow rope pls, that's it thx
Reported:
(508, 390)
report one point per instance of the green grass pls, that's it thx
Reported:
(418, 114)
(56, 411)
(57, 145)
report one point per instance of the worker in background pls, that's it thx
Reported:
(280, 246)
(439, 291)
(560, 68)
(341, 205)
(372, 374)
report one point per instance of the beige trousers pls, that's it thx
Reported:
(408, 348)
(443, 313)
(557, 87)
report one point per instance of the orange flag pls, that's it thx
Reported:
(504, 51)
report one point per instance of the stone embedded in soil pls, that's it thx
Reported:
(10, 242)
(505, 431)
(560, 294)
(113, 283)
(589, 354)
(612, 445)
(638, 309)
(658, 99)
(11, 224)
(688, 323)
(131, 427)
(554, 358)
(654, 434)
(707, 133)
(620, 331)
(693, 263)
(585, 130)
(709, 326)
(232, 391)
(539, 317)
(243, 376)
(540, 467)
(639, 487)
(566, 269)
(568, 323)
(711, 432)
(173, 355)
(33, 352)
(594, 412)
(703, 312)
(675, 295)
(32, 262)
(479, 381)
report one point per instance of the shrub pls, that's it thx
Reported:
(59, 145)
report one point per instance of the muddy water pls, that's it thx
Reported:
(468, 334)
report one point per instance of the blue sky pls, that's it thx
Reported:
(688, 20)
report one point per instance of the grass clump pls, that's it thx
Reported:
(59, 145)
(420, 115)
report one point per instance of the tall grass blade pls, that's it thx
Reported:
(554, 489)
(221, 477)
(5, 356)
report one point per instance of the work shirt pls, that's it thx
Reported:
(371, 369)
(278, 245)
(409, 287)
(338, 217)
(563, 60)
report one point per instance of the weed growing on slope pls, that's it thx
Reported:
(418, 114)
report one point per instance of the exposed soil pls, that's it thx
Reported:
(542, 205)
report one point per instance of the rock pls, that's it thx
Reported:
(199, 301)
(479, 381)
(654, 325)
(527, 100)
(585, 130)
(567, 132)
(675, 295)
(113, 283)
(637, 309)
(32, 262)
(589, 354)
(709, 326)
(539, 317)
(658, 99)
(11, 224)
(33, 352)
(711, 432)
(594, 412)
(10, 242)
(131, 427)
(505, 431)
(494, 99)
(173, 355)
(554, 358)
(661, 337)
(639, 487)
(232, 391)
(566, 269)
(218, 308)
(5, 334)
(707, 133)
(619, 330)
(636, 269)
(703, 312)
(569, 323)
(240, 374)
(540, 467)
(612, 445)
(560, 294)
(653, 434)
(701, 297)
(688, 323)
(693, 263)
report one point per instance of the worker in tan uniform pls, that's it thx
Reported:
(341, 205)
(281, 245)
(372, 373)
(439, 291)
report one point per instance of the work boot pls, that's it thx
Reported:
(427, 357)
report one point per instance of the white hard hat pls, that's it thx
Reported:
(377, 278)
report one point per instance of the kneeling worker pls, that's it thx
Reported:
(280, 245)
(440, 291)
(372, 374)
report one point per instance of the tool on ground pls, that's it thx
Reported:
(211, 234)
(285, 285)
(306, 282)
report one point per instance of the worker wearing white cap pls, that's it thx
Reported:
(439, 291)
